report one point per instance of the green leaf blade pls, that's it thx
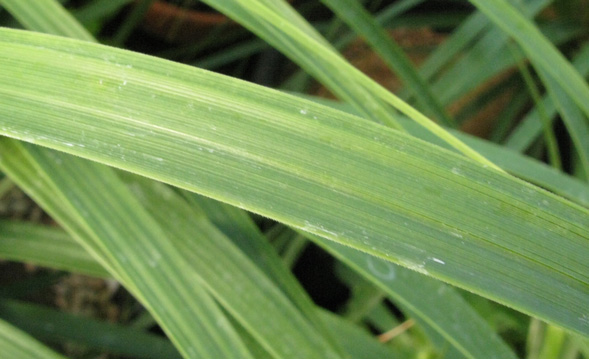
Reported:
(362, 22)
(19, 345)
(428, 301)
(541, 51)
(46, 247)
(47, 16)
(308, 166)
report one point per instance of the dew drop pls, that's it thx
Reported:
(438, 261)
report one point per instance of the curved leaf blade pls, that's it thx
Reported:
(305, 165)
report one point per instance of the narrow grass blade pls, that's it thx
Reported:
(577, 125)
(133, 19)
(16, 344)
(352, 12)
(48, 15)
(238, 226)
(549, 136)
(311, 52)
(382, 319)
(98, 10)
(44, 238)
(514, 162)
(308, 166)
(540, 51)
(44, 246)
(357, 341)
(509, 116)
(244, 291)
(306, 47)
(365, 296)
(231, 54)
(387, 17)
(530, 127)
(185, 311)
(95, 207)
(491, 44)
(75, 251)
(429, 301)
(51, 325)
(462, 36)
